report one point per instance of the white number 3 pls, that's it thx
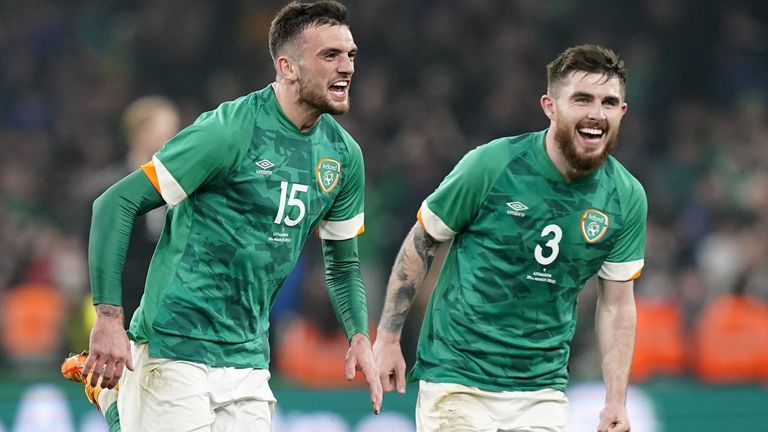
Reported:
(552, 244)
(293, 201)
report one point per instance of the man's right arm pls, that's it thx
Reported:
(114, 214)
(411, 266)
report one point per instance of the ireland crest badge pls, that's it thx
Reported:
(594, 225)
(328, 173)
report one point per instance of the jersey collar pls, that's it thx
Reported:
(283, 119)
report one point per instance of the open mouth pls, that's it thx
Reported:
(591, 135)
(339, 88)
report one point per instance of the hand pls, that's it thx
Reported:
(109, 349)
(614, 418)
(360, 358)
(390, 361)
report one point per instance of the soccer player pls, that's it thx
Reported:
(531, 218)
(245, 185)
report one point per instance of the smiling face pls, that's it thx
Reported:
(325, 66)
(585, 111)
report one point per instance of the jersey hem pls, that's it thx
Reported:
(416, 375)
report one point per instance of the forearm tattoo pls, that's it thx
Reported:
(110, 311)
(411, 266)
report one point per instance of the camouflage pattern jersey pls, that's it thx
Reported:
(525, 241)
(245, 188)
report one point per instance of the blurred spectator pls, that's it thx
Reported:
(730, 343)
(32, 314)
(660, 339)
(147, 123)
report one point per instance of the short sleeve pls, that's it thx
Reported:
(345, 219)
(626, 260)
(457, 200)
(197, 155)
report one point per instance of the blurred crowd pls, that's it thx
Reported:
(433, 80)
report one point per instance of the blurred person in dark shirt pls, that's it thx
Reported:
(147, 123)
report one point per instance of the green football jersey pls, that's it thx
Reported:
(244, 188)
(525, 241)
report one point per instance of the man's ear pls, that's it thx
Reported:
(287, 68)
(548, 106)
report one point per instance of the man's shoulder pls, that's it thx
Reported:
(335, 132)
(505, 148)
(230, 119)
(621, 176)
(242, 105)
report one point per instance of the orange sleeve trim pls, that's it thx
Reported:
(636, 275)
(151, 173)
(361, 230)
(418, 217)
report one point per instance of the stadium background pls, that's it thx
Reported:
(433, 80)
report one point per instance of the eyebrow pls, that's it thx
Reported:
(326, 51)
(590, 96)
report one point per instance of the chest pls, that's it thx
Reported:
(287, 183)
(546, 223)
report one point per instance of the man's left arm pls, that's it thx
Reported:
(615, 323)
(347, 294)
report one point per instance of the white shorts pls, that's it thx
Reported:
(458, 408)
(172, 395)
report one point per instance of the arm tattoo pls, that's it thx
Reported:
(411, 266)
(426, 247)
(109, 311)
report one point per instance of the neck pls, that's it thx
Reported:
(558, 159)
(300, 114)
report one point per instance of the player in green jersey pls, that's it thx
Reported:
(245, 184)
(531, 218)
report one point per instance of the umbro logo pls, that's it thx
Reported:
(516, 208)
(265, 166)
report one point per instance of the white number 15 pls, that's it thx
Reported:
(293, 201)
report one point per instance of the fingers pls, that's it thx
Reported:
(99, 372)
(386, 378)
(393, 379)
(400, 379)
(374, 387)
(612, 426)
(603, 426)
(108, 377)
(365, 364)
(89, 363)
(105, 370)
(93, 369)
(350, 366)
(617, 427)
(392, 373)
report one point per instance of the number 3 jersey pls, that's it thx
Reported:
(525, 241)
(245, 188)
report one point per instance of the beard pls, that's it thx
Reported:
(565, 136)
(311, 96)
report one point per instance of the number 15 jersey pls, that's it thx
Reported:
(525, 241)
(245, 188)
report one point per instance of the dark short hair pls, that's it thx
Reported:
(296, 17)
(587, 58)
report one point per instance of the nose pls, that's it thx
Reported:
(346, 65)
(597, 112)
